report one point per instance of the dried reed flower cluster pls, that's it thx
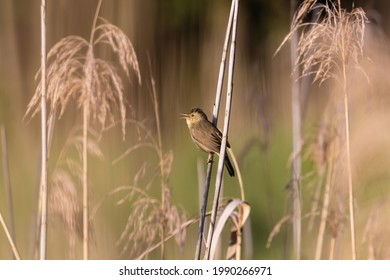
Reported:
(151, 219)
(145, 222)
(66, 176)
(63, 203)
(74, 72)
(327, 47)
(334, 38)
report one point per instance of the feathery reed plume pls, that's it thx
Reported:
(151, 220)
(332, 41)
(148, 216)
(69, 66)
(75, 72)
(328, 48)
(67, 172)
(63, 203)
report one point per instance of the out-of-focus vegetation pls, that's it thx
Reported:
(183, 42)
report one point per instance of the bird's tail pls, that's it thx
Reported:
(229, 165)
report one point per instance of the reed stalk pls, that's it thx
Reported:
(214, 121)
(43, 190)
(229, 97)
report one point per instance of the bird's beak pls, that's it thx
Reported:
(184, 116)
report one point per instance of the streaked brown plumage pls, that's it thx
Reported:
(205, 135)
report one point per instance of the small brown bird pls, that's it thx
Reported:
(205, 135)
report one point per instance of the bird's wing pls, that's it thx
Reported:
(204, 138)
(207, 137)
(217, 133)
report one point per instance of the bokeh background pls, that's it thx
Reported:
(179, 43)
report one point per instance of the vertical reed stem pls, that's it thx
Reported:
(85, 183)
(347, 140)
(43, 192)
(214, 121)
(7, 181)
(229, 97)
(296, 126)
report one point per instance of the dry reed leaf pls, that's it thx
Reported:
(276, 229)
(239, 218)
(229, 211)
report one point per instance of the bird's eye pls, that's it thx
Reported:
(192, 115)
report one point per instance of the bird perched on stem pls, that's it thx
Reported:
(205, 135)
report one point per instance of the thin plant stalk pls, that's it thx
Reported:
(349, 175)
(347, 140)
(72, 75)
(11, 242)
(166, 238)
(201, 179)
(85, 183)
(239, 176)
(327, 46)
(43, 191)
(86, 112)
(161, 159)
(7, 181)
(325, 206)
(214, 121)
(332, 247)
(316, 199)
(204, 208)
(36, 224)
(296, 130)
(229, 97)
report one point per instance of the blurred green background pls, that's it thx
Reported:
(184, 42)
